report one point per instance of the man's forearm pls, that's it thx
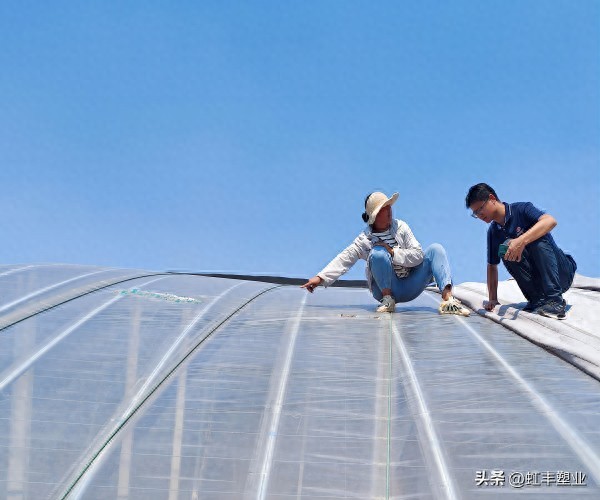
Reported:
(492, 282)
(543, 226)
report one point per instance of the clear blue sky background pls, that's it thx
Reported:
(243, 136)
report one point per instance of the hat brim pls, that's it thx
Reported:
(390, 201)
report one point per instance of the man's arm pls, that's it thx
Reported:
(543, 226)
(492, 284)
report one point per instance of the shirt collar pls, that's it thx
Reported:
(507, 216)
(507, 213)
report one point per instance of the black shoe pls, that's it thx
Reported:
(554, 309)
(533, 306)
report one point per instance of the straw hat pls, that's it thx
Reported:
(375, 202)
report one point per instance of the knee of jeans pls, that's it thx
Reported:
(435, 249)
(379, 256)
(379, 253)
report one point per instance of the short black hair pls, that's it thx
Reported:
(479, 192)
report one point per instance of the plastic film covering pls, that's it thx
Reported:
(576, 339)
(251, 390)
(29, 290)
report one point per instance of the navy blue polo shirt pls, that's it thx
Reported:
(520, 216)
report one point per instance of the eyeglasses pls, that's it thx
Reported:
(477, 213)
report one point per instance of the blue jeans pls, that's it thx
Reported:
(544, 273)
(435, 263)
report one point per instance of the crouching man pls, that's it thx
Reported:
(519, 234)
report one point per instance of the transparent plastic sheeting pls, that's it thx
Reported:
(252, 390)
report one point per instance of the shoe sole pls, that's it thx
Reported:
(456, 313)
(553, 316)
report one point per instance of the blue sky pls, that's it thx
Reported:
(243, 136)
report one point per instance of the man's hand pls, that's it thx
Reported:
(515, 250)
(312, 283)
(384, 245)
(490, 304)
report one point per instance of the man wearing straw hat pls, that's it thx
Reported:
(397, 268)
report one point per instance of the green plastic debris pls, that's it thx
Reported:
(159, 295)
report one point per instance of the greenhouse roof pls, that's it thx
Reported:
(129, 384)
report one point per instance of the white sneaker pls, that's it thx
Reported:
(388, 305)
(453, 306)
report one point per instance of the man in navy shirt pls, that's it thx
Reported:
(541, 269)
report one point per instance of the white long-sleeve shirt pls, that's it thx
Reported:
(408, 253)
